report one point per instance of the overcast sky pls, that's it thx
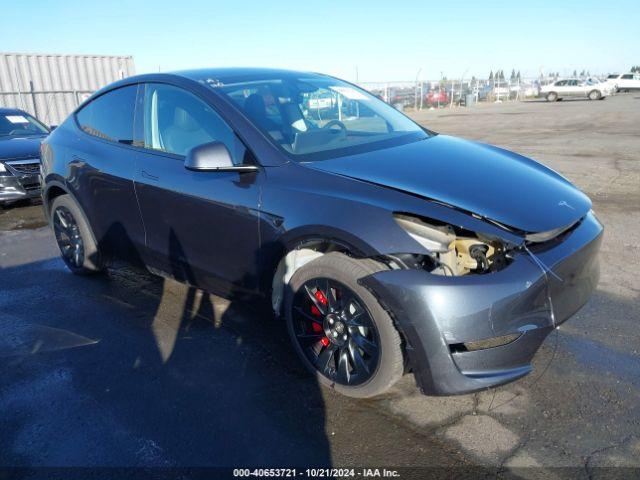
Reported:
(384, 40)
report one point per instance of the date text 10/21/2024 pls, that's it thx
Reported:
(317, 472)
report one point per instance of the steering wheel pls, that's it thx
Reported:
(331, 123)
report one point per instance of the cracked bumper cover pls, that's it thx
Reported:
(434, 312)
(12, 187)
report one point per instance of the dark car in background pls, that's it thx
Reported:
(20, 138)
(385, 247)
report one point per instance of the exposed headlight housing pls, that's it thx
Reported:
(2, 168)
(434, 238)
(452, 253)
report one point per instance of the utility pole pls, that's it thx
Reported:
(33, 98)
(461, 80)
(440, 89)
(15, 72)
(415, 91)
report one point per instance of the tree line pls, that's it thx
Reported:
(499, 76)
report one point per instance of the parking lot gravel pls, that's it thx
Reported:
(129, 369)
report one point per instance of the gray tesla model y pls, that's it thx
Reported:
(384, 247)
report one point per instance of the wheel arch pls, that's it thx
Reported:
(53, 189)
(299, 248)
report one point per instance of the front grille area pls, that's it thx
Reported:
(31, 187)
(25, 167)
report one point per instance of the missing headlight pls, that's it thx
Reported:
(434, 238)
(452, 252)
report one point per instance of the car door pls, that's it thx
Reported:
(560, 87)
(201, 227)
(572, 88)
(626, 81)
(102, 168)
(583, 87)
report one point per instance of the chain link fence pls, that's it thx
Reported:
(446, 93)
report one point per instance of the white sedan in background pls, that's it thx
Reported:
(575, 88)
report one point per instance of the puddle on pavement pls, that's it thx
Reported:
(22, 217)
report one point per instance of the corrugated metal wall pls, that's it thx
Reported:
(50, 86)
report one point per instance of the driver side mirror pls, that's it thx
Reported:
(213, 157)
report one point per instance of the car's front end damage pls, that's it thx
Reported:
(474, 312)
(19, 163)
(483, 252)
(19, 179)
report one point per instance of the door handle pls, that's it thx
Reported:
(148, 176)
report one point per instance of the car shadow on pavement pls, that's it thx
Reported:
(170, 381)
(131, 370)
(560, 100)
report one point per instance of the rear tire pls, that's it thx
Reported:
(75, 239)
(552, 97)
(341, 274)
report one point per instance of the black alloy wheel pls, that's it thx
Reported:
(335, 331)
(68, 236)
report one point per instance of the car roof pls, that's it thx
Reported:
(239, 74)
(213, 76)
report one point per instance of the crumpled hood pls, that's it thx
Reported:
(20, 147)
(494, 183)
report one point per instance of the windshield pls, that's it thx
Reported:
(19, 124)
(314, 118)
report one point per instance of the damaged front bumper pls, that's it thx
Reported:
(439, 315)
(21, 187)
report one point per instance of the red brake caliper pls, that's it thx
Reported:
(315, 311)
(321, 298)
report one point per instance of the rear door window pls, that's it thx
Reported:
(110, 116)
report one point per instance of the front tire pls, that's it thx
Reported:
(595, 95)
(75, 239)
(339, 330)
